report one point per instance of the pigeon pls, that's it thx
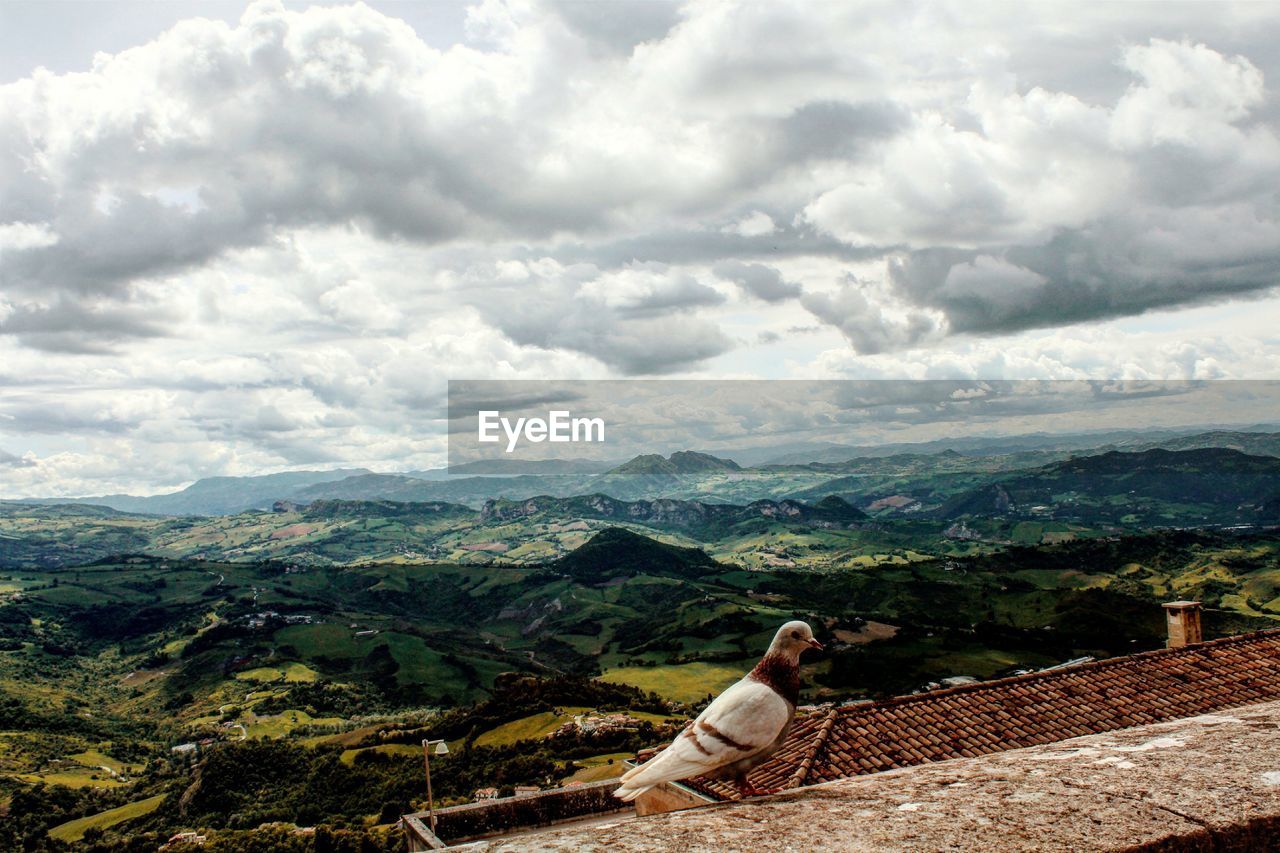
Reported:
(740, 729)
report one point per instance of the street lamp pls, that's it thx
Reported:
(441, 748)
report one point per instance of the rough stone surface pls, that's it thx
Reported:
(1208, 782)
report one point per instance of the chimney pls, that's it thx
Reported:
(1184, 623)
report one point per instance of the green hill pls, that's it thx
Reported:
(619, 553)
(1253, 443)
(679, 464)
(651, 473)
(349, 509)
(1213, 486)
(836, 509)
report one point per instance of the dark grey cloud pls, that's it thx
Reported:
(650, 347)
(1110, 270)
(839, 130)
(703, 245)
(670, 291)
(106, 242)
(67, 416)
(466, 398)
(80, 326)
(8, 460)
(641, 346)
(619, 25)
(854, 310)
(758, 280)
(641, 319)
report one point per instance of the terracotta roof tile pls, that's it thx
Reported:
(1026, 710)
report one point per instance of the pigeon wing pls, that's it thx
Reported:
(742, 721)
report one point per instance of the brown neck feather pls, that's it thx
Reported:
(781, 673)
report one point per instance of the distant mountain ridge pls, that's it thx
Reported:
(216, 495)
(1262, 440)
(665, 512)
(339, 509)
(469, 490)
(1253, 443)
(684, 474)
(518, 467)
(1088, 495)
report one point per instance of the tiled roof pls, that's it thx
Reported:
(1025, 710)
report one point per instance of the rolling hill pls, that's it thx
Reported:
(921, 507)
(337, 532)
(302, 690)
(1184, 488)
(678, 514)
(618, 553)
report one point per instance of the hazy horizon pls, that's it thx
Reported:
(1151, 417)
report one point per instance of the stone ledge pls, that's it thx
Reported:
(1208, 782)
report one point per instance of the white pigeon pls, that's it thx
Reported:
(740, 729)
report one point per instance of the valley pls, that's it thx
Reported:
(227, 672)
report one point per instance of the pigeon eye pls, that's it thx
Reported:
(795, 635)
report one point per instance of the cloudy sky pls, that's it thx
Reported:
(240, 239)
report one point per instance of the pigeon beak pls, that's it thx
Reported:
(815, 644)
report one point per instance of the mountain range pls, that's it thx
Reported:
(942, 469)
(904, 515)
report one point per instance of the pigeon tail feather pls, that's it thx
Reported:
(667, 766)
(626, 793)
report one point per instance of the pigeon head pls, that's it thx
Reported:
(792, 639)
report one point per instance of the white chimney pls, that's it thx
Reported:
(1184, 623)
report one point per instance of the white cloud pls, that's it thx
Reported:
(1189, 95)
(648, 288)
(20, 236)
(755, 224)
(359, 305)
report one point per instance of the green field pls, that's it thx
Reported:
(684, 682)
(290, 673)
(96, 758)
(597, 768)
(279, 725)
(528, 728)
(349, 755)
(74, 830)
(81, 778)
